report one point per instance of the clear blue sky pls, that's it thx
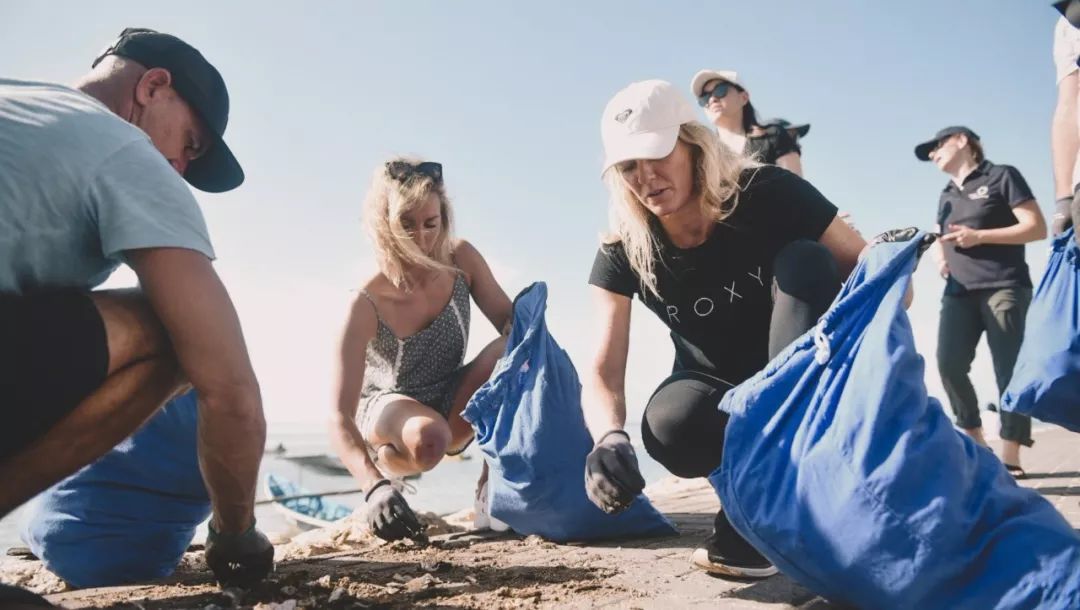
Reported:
(507, 96)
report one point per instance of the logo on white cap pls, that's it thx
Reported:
(648, 115)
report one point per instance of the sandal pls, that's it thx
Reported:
(1016, 471)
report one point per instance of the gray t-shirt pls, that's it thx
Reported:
(78, 187)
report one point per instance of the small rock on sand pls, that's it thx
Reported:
(431, 565)
(420, 583)
(289, 604)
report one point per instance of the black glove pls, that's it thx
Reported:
(1062, 219)
(906, 234)
(239, 560)
(612, 478)
(388, 514)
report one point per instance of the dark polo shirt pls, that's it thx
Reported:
(985, 201)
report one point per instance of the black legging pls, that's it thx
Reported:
(682, 427)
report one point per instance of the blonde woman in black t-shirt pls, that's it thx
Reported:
(737, 259)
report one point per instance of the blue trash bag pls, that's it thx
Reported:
(129, 516)
(530, 427)
(1046, 381)
(842, 471)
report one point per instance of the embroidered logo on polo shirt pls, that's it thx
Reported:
(983, 192)
(622, 116)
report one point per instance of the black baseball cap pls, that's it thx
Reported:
(1070, 10)
(922, 151)
(801, 130)
(201, 86)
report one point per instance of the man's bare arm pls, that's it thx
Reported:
(196, 311)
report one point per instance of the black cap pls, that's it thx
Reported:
(201, 86)
(801, 130)
(922, 151)
(1070, 10)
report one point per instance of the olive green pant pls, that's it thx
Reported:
(1000, 313)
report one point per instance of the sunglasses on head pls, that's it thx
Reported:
(719, 91)
(402, 171)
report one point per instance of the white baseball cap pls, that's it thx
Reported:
(642, 122)
(697, 84)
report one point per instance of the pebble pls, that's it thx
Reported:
(288, 590)
(431, 565)
(420, 583)
(336, 595)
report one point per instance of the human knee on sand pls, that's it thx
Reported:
(149, 114)
(402, 379)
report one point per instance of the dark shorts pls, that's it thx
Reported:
(53, 354)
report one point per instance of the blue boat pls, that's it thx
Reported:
(306, 509)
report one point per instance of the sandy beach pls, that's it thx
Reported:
(345, 567)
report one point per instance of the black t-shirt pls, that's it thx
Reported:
(717, 297)
(771, 145)
(985, 201)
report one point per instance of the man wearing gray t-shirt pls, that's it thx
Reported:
(90, 177)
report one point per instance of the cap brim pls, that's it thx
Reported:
(802, 130)
(1070, 10)
(702, 77)
(642, 145)
(216, 171)
(922, 151)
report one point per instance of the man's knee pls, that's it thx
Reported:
(132, 329)
(682, 427)
(426, 440)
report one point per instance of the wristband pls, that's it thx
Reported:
(610, 432)
(377, 485)
(213, 533)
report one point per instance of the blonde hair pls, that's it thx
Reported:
(716, 184)
(388, 200)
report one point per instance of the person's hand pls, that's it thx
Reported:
(388, 514)
(239, 560)
(905, 234)
(943, 269)
(612, 478)
(1062, 218)
(963, 237)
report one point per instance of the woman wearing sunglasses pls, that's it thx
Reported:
(402, 381)
(737, 259)
(727, 105)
